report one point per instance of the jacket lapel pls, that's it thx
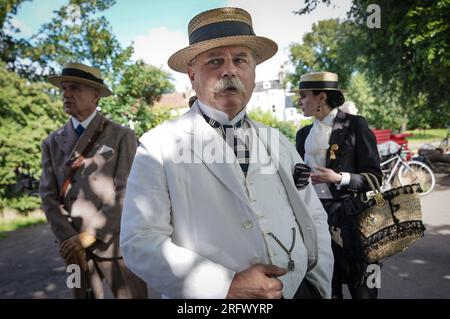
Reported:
(338, 133)
(67, 138)
(204, 138)
(95, 125)
(301, 139)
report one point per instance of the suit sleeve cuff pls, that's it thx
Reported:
(344, 181)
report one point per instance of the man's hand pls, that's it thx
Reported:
(301, 175)
(257, 282)
(325, 175)
(72, 249)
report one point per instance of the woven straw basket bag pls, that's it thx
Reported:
(393, 221)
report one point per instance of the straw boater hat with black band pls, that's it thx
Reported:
(81, 73)
(221, 27)
(319, 81)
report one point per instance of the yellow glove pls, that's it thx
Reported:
(86, 239)
(75, 244)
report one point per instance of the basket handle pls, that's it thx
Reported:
(368, 177)
(375, 188)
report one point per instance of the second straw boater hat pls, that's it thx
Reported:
(221, 27)
(81, 73)
(318, 81)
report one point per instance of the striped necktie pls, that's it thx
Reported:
(239, 146)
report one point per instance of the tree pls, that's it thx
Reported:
(267, 118)
(408, 54)
(144, 82)
(381, 109)
(27, 114)
(331, 46)
(74, 34)
(324, 48)
(141, 85)
(30, 108)
(9, 45)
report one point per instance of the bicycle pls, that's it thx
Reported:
(399, 172)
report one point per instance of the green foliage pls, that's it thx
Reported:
(9, 46)
(144, 82)
(410, 54)
(141, 85)
(72, 36)
(425, 135)
(134, 113)
(286, 128)
(27, 113)
(382, 111)
(29, 108)
(408, 57)
(20, 221)
(322, 49)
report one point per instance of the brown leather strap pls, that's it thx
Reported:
(79, 161)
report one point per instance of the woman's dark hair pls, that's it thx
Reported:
(334, 98)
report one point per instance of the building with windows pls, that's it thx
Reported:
(270, 96)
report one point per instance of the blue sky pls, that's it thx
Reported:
(159, 28)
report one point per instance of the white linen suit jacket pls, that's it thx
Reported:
(181, 223)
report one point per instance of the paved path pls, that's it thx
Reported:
(423, 271)
(31, 268)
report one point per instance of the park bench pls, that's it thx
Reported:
(383, 136)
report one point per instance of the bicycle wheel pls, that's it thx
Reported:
(417, 172)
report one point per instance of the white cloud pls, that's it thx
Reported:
(276, 20)
(157, 46)
(25, 30)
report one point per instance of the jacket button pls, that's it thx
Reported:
(247, 224)
(256, 260)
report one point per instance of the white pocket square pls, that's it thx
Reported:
(105, 149)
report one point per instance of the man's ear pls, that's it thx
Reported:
(96, 96)
(191, 74)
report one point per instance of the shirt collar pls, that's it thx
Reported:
(219, 116)
(329, 119)
(86, 122)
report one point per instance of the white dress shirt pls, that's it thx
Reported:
(316, 146)
(85, 123)
(220, 116)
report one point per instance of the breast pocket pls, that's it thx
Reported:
(105, 152)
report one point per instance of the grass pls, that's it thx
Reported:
(424, 135)
(19, 222)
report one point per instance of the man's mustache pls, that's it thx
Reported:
(229, 83)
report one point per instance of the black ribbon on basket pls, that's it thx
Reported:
(393, 207)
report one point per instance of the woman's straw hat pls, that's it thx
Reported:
(318, 81)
